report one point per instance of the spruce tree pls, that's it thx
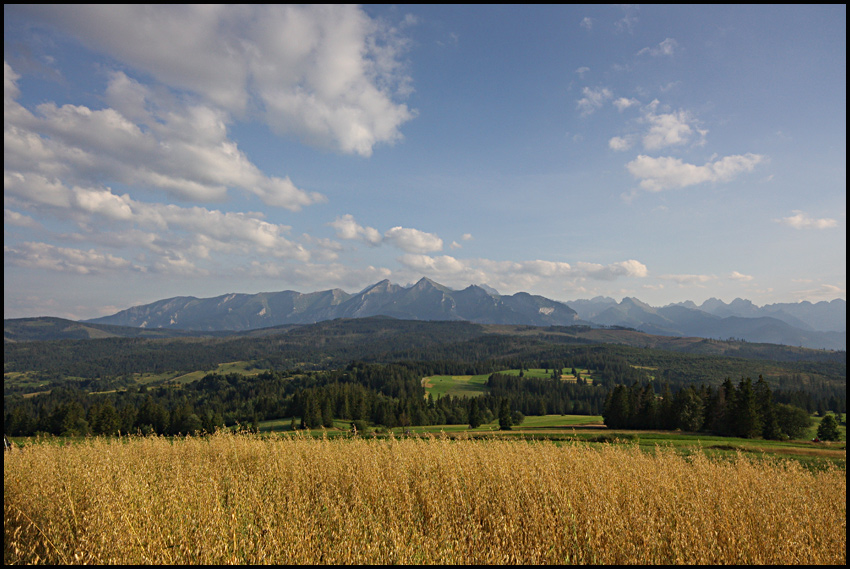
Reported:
(828, 429)
(474, 414)
(746, 415)
(767, 410)
(505, 421)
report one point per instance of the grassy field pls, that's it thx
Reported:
(591, 430)
(180, 377)
(455, 385)
(566, 373)
(432, 499)
(474, 385)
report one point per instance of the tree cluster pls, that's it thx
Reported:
(747, 410)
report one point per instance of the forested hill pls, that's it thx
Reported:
(56, 385)
(49, 328)
(335, 343)
(380, 335)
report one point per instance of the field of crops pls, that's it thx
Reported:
(238, 498)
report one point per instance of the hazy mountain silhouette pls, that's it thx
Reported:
(820, 325)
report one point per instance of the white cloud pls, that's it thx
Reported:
(104, 202)
(466, 237)
(736, 276)
(406, 239)
(413, 240)
(664, 173)
(630, 268)
(629, 20)
(347, 228)
(182, 150)
(666, 47)
(587, 23)
(668, 129)
(313, 276)
(327, 73)
(582, 70)
(517, 275)
(443, 265)
(823, 292)
(18, 219)
(688, 280)
(620, 143)
(187, 228)
(801, 220)
(63, 259)
(624, 103)
(10, 83)
(593, 99)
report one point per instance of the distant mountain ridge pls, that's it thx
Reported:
(426, 300)
(820, 325)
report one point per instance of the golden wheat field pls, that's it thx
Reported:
(232, 498)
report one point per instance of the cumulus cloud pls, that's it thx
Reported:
(63, 259)
(518, 275)
(801, 220)
(623, 103)
(413, 240)
(688, 280)
(620, 143)
(312, 276)
(18, 219)
(191, 228)
(347, 228)
(327, 73)
(736, 276)
(666, 47)
(822, 292)
(665, 173)
(184, 150)
(630, 268)
(593, 99)
(10, 85)
(669, 129)
(407, 239)
(629, 20)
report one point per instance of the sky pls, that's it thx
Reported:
(667, 153)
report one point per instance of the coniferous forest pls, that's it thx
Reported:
(371, 370)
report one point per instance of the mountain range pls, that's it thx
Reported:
(819, 325)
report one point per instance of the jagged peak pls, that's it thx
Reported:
(489, 290)
(635, 302)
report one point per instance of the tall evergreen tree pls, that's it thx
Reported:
(666, 415)
(828, 429)
(747, 422)
(767, 410)
(505, 421)
(617, 410)
(688, 407)
(474, 414)
(648, 408)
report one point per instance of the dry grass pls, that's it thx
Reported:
(286, 500)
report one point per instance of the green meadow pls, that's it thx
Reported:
(455, 385)
(474, 385)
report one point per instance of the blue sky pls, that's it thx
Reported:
(664, 153)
